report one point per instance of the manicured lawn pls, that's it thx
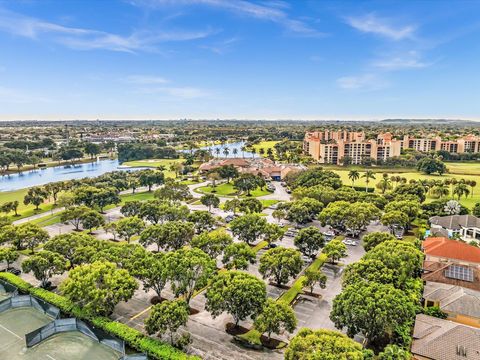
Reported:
(229, 190)
(268, 202)
(154, 163)
(464, 168)
(23, 210)
(265, 145)
(468, 202)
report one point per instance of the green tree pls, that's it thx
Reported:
(30, 235)
(54, 188)
(461, 190)
(98, 287)
(238, 256)
(171, 235)
(167, 316)
(359, 215)
(210, 200)
(129, 227)
(250, 206)
(394, 352)
(275, 317)
(227, 172)
(150, 178)
(212, 243)
(173, 191)
(476, 210)
(151, 269)
(249, 227)
(238, 293)
(335, 250)
(67, 245)
(374, 238)
(435, 311)
(35, 196)
(202, 220)
(280, 264)
(409, 207)
(246, 183)
(9, 255)
(190, 270)
(309, 240)
(313, 277)
(232, 205)
(325, 344)
(44, 265)
(353, 308)
(395, 218)
(92, 149)
(430, 165)
(92, 219)
(131, 208)
(334, 214)
(74, 216)
(370, 270)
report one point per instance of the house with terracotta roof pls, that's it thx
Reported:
(466, 227)
(256, 166)
(438, 339)
(442, 249)
(461, 305)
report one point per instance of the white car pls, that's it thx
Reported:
(350, 242)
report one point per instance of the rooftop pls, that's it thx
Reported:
(455, 222)
(451, 249)
(435, 271)
(439, 339)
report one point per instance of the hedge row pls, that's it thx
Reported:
(152, 347)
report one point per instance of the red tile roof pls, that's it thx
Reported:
(451, 249)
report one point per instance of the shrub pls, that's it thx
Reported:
(152, 347)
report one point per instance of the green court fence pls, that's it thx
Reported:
(29, 301)
(7, 288)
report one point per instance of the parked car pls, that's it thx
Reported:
(288, 191)
(290, 233)
(272, 246)
(229, 218)
(273, 206)
(283, 184)
(14, 271)
(350, 242)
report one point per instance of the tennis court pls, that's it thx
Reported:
(16, 322)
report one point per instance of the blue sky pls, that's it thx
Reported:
(169, 59)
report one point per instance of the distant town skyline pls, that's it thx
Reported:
(239, 59)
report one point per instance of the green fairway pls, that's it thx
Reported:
(265, 145)
(468, 202)
(463, 168)
(23, 210)
(154, 163)
(229, 190)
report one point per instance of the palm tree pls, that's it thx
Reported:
(226, 151)
(460, 190)
(243, 148)
(472, 184)
(369, 174)
(441, 190)
(384, 184)
(253, 152)
(353, 175)
(235, 152)
(396, 179)
(217, 151)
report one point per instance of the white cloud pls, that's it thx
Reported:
(145, 79)
(362, 82)
(176, 92)
(411, 60)
(87, 39)
(370, 23)
(274, 11)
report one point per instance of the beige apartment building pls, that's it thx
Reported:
(330, 147)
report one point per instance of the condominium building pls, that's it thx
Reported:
(469, 143)
(331, 147)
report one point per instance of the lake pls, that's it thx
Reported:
(58, 173)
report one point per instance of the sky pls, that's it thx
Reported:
(239, 59)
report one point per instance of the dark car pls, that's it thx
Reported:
(14, 271)
(272, 246)
(229, 218)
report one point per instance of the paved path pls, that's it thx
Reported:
(38, 216)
